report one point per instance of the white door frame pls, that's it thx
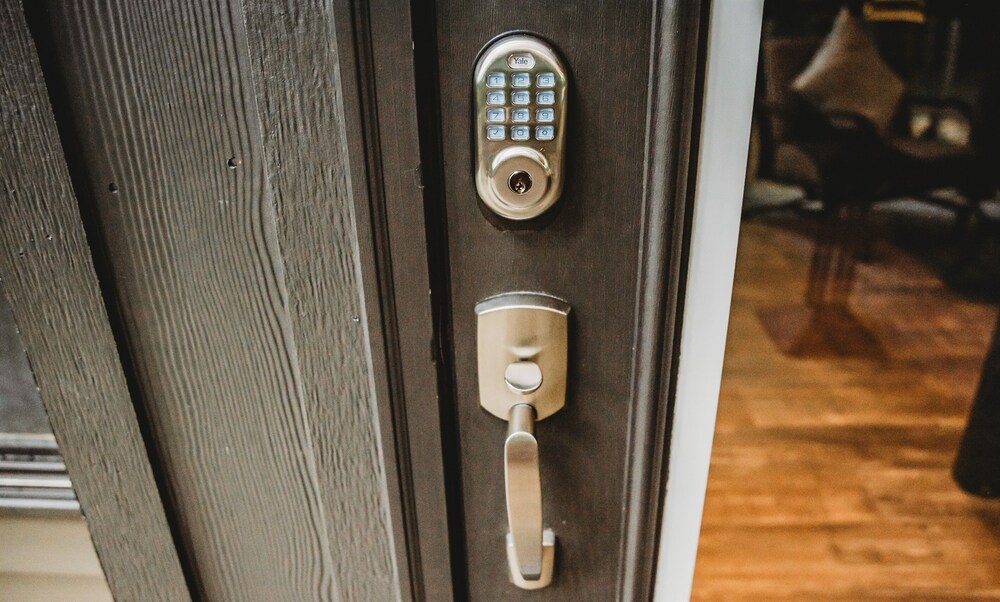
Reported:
(733, 41)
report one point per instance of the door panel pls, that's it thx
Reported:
(588, 253)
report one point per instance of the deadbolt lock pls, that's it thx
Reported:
(520, 120)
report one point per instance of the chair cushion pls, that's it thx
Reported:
(848, 75)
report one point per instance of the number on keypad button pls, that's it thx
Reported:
(546, 98)
(520, 80)
(520, 115)
(496, 80)
(519, 132)
(495, 98)
(520, 98)
(545, 115)
(546, 80)
(495, 115)
(495, 132)
(545, 132)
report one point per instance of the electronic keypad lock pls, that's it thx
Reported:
(520, 123)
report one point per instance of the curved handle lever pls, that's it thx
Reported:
(530, 551)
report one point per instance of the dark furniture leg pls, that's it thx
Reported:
(977, 466)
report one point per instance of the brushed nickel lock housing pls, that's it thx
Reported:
(520, 88)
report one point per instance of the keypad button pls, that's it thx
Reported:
(494, 98)
(496, 115)
(520, 115)
(496, 132)
(546, 80)
(545, 132)
(520, 98)
(520, 80)
(546, 98)
(545, 115)
(520, 132)
(496, 80)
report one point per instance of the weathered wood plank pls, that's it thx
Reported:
(50, 283)
(251, 416)
(335, 306)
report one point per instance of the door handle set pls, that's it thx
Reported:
(520, 87)
(523, 342)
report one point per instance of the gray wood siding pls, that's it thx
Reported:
(217, 177)
(49, 280)
(296, 70)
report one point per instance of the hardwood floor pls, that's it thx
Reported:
(830, 475)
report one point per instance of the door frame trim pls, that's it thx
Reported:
(731, 73)
(394, 202)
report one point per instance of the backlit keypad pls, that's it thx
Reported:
(520, 109)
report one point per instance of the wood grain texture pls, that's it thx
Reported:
(50, 283)
(263, 433)
(589, 255)
(831, 475)
(297, 71)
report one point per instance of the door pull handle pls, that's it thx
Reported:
(530, 549)
(522, 353)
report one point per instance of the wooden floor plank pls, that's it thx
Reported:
(830, 477)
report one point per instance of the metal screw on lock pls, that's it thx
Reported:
(519, 182)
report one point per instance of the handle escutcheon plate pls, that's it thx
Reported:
(518, 327)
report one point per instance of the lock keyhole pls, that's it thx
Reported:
(519, 182)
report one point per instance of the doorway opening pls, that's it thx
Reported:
(857, 446)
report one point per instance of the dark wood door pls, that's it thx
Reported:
(610, 248)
